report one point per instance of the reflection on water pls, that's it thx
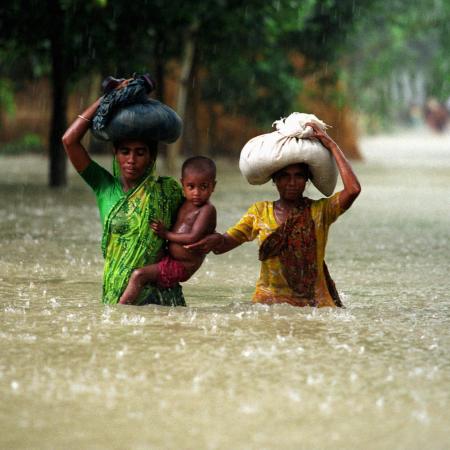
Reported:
(223, 373)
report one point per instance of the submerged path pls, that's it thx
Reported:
(223, 373)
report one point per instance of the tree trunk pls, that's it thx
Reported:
(173, 150)
(158, 54)
(190, 137)
(159, 75)
(211, 143)
(319, 97)
(94, 145)
(57, 156)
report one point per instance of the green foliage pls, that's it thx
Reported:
(246, 48)
(399, 45)
(325, 31)
(252, 71)
(29, 143)
(6, 97)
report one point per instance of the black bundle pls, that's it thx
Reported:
(129, 114)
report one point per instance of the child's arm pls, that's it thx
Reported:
(205, 221)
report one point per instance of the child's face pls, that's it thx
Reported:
(197, 187)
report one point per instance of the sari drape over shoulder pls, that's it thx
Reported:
(306, 236)
(294, 242)
(128, 241)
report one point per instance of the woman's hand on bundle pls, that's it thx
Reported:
(123, 83)
(159, 228)
(352, 188)
(321, 135)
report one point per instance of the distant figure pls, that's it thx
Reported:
(436, 115)
(415, 115)
(447, 105)
(196, 218)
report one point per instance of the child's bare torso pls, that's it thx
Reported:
(186, 218)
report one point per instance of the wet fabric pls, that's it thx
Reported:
(294, 242)
(128, 241)
(128, 114)
(170, 272)
(291, 143)
(272, 287)
(135, 92)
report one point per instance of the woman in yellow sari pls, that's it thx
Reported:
(292, 232)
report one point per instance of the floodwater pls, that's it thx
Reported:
(223, 373)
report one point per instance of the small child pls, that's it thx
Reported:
(196, 218)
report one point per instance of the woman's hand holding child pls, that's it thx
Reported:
(159, 228)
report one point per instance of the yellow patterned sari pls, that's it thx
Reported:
(272, 287)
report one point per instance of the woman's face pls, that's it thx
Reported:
(291, 181)
(134, 158)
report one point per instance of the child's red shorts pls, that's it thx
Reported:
(170, 273)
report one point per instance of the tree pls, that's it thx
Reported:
(398, 57)
(50, 37)
(254, 71)
(242, 64)
(244, 50)
(69, 40)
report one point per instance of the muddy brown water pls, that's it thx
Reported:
(223, 373)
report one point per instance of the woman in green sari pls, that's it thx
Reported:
(128, 200)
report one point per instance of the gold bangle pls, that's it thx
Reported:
(84, 118)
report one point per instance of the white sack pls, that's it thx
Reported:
(266, 154)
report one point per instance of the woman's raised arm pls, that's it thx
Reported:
(71, 140)
(352, 188)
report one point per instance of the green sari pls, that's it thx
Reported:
(128, 241)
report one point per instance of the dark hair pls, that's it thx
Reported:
(304, 166)
(199, 164)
